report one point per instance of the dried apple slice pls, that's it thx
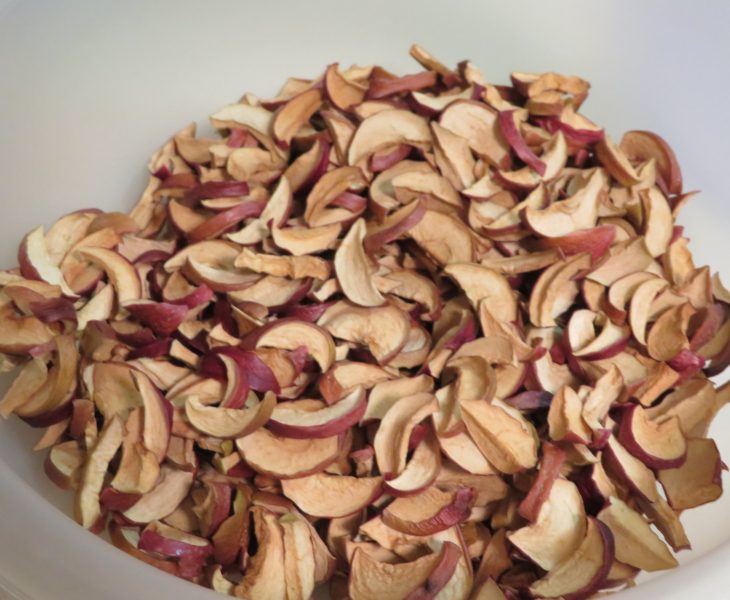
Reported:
(429, 512)
(87, 508)
(394, 432)
(636, 543)
(341, 91)
(386, 129)
(641, 304)
(288, 458)
(580, 211)
(265, 576)
(483, 285)
(63, 464)
(332, 496)
(302, 241)
(698, 480)
(354, 269)
(477, 123)
(504, 436)
(584, 572)
(555, 290)
(299, 557)
(228, 423)
(37, 263)
(290, 334)
(122, 275)
(157, 416)
(171, 489)
(615, 162)
(640, 146)
(295, 114)
(559, 529)
(421, 470)
(553, 459)
(384, 330)
(658, 444)
(305, 424)
(456, 244)
(393, 226)
(295, 267)
(370, 579)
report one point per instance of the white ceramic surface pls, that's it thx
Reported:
(89, 89)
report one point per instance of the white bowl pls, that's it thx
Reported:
(90, 89)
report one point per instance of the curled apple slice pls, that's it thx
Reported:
(477, 123)
(394, 432)
(559, 529)
(371, 580)
(290, 334)
(354, 269)
(332, 496)
(387, 129)
(342, 92)
(301, 241)
(121, 273)
(585, 571)
(482, 284)
(37, 263)
(640, 146)
(87, 507)
(171, 489)
(228, 423)
(615, 162)
(455, 245)
(305, 424)
(636, 544)
(658, 444)
(504, 436)
(421, 470)
(553, 459)
(295, 114)
(384, 330)
(266, 574)
(429, 512)
(698, 480)
(287, 458)
(568, 216)
(555, 290)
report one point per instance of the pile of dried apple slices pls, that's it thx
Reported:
(410, 337)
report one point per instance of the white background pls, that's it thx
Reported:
(89, 89)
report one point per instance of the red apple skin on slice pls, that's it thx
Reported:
(553, 459)
(429, 512)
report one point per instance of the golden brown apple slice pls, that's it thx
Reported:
(605, 392)
(658, 444)
(565, 418)
(636, 543)
(331, 496)
(301, 241)
(453, 157)
(615, 162)
(341, 91)
(482, 284)
(387, 129)
(668, 336)
(265, 576)
(294, 267)
(555, 290)
(477, 123)
(559, 529)
(640, 146)
(629, 470)
(698, 480)
(290, 334)
(334, 419)
(384, 330)
(584, 572)
(393, 435)
(299, 560)
(354, 269)
(384, 395)
(25, 386)
(421, 470)
(122, 275)
(373, 580)
(139, 467)
(295, 114)
(171, 489)
(641, 305)
(567, 216)
(429, 511)
(624, 259)
(286, 458)
(344, 376)
(456, 244)
(503, 435)
(658, 221)
(37, 263)
(87, 508)
(228, 423)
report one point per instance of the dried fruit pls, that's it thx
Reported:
(375, 333)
